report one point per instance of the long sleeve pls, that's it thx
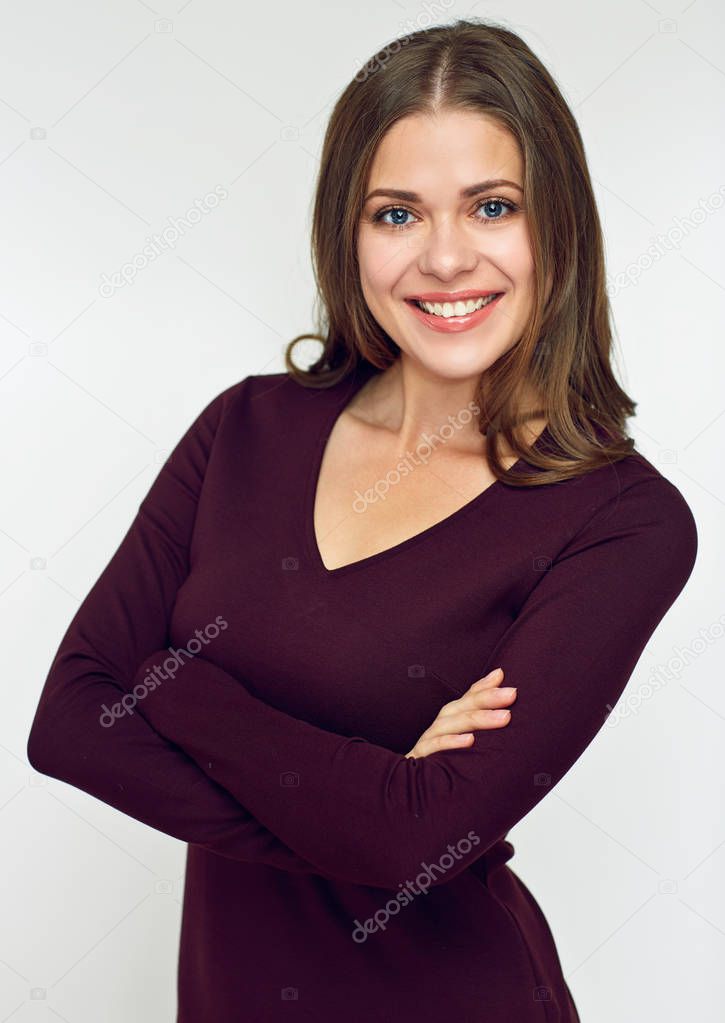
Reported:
(121, 760)
(373, 816)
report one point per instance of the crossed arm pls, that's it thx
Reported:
(372, 816)
(203, 760)
(126, 614)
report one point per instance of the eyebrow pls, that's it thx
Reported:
(465, 193)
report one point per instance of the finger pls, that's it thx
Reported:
(493, 678)
(487, 699)
(424, 747)
(466, 720)
(488, 682)
(498, 696)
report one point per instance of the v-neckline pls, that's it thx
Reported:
(341, 401)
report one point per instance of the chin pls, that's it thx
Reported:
(452, 365)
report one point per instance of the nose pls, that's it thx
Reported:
(446, 250)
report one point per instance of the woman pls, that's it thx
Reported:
(447, 491)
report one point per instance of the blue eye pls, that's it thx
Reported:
(487, 203)
(393, 210)
(492, 206)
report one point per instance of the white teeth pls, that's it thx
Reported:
(447, 309)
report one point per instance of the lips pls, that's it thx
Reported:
(455, 323)
(472, 303)
(449, 296)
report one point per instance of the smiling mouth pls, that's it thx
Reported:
(461, 308)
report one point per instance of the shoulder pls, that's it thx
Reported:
(261, 408)
(265, 395)
(634, 485)
(242, 390)
(631, 500)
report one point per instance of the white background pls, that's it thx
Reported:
(113, 120)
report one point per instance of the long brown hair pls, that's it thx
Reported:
(564, 353)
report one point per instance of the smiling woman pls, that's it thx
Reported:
(444, 501)
(455, 171)
(451, 233)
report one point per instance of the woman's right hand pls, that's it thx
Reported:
(483, 705)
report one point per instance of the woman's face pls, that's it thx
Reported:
(436, 240)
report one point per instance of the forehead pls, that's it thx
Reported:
(454, 148)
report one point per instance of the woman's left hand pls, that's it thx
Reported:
(480, 707)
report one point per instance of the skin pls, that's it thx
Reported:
(482, 706)
(446, 243)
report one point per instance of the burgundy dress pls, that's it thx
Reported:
(221, 685)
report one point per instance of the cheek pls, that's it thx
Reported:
(512, 255)
(381, 263)
(522, 258)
